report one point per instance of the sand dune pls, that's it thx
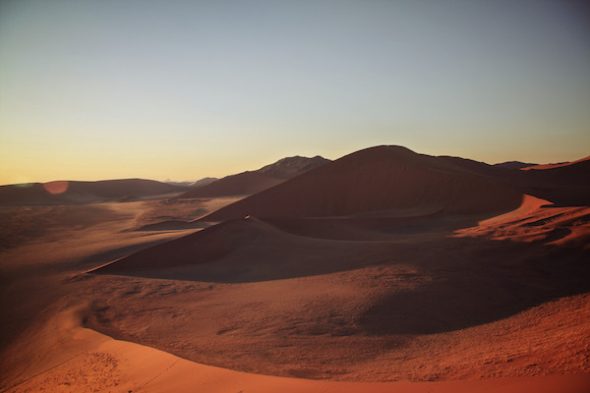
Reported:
(364, 288)
(565, 185)
(556, 165)
(377, 179)
(95, 362)
(386, 270)
(345, 292)
(538, 220)
(218, 254)
(251, 182)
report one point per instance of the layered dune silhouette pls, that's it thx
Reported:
(514, 164)
(384, 270)
(251, 182)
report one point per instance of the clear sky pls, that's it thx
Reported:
(184, 89)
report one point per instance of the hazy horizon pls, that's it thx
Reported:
(174, 180)
(179, 90)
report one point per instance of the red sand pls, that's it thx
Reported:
(538, 220)
(377, 179)
(552, 166)
(385, 270)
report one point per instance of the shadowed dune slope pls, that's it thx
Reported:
(383, 178)
(565, 185)
(67, 192)
(251, 182)
(248, 250)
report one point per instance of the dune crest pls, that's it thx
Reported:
(82, 192)
(377, 179)
(537, 220)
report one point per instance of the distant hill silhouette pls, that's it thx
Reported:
(68, 192)
(203, 182)
(514, 165)
(251, 182)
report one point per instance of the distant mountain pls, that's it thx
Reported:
(382, 178)
(179, 183)
(251, 182)
(514, 165)
(289, 167)
(203, 182)
(75, 192)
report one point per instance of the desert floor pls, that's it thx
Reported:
(414, 302)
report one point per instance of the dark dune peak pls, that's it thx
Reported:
(382, 178)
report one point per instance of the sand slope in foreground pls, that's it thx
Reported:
(101, 364)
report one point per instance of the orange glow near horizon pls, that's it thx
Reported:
(56, 187)
(181, 90)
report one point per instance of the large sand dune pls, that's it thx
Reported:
(384, 178)
(566, 185)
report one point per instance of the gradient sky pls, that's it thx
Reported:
(185, 89)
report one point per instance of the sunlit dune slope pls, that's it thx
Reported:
(534, 167)
(537, 220)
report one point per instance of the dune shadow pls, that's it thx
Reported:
(478, 281)
(251, 250)
(471, 281)
(172, 225)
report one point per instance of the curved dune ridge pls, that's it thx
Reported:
(565, 185)
(537, 220)
(377, 179)
(533, 167)
(248, 249)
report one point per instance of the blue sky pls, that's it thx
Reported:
(186, 89)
